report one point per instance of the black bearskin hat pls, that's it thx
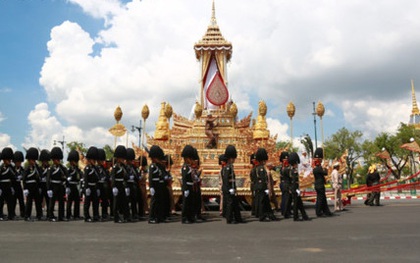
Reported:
(73, 156)
(143, 161)
(261, 155)
(251, 158)
(319, 153)
(131, 155)
(18, 156)
(45, 156)
(7, 153)
(195, 156)
(283, 155)
(92, 153)
(101, 154)
(294, 158)
(120, 152)
(32, 154)
(156, 152)
(230, 152)
(188, 152)
(222, 158)
(56, 153)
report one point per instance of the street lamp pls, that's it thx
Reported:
(315, 113)
(138, 128)
(62, 142)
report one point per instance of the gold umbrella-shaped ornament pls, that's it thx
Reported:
(234, 110)
(320, 110)
(291, 110)
(118, 129)
(198, 110)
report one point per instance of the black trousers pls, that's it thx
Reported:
(286, 200)
(232, 208)
(33, 196)
(132, 199)
(298, 206)
(156, 206)
(58, 195)
(44, 196)
(91, 199)
(73, 199)
(321, 205)
(121, 205)
(6, 197)
(18, 197)
(263, 207)
(188, 207)
(104, 199)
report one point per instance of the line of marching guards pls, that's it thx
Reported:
(119, 192)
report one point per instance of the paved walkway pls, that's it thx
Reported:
(389, 233)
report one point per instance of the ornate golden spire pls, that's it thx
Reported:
(415, 110)
(213, 39)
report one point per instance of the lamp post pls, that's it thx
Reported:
(62, 142)
(138, 128)
(315, 113)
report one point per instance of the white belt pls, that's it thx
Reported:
(155, 179)
(73, 182)
(30, 181)
(119, 180)
(190, 183)
(5, 181)
(56, 181)
(130, 181)
(91, 184)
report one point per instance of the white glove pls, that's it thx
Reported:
(98, 192)
(152, 191)
(12, 190)
(127, 191)
(298, 192)
(50, 193)
(88, 192)
(232, 191)
(68, 191)
(186, 193)
(69, 178)
(25, 192)
(266, 191)
(115, 191)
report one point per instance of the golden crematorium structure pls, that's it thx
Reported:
(215, 124)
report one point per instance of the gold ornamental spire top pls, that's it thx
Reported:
(213, 39)
(415, 110)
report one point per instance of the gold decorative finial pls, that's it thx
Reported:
(213, 15)
(118, 114)
(162, 125)
(260, 128)
(234, 109)
(198, 110)
(415, 110)
(291, 109)
(168, 111)
(320, 109)
(145, 112)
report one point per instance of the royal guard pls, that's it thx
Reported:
(72, 189)
(319, 172)
(142, 198)
(262, 188)
(187, 185)
(156, 182)
(222, 206)
(56, 182)
(132, 183)
(17, 186)
(294, 189)
(198, 199)
(169, 204)
(119, 177)
(286, 200)
(7, 178)
(103, 190)
(31, 178)
(252, 176)
(233, 213)
(44, 159)
(91, 179)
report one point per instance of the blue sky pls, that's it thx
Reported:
(66, 65)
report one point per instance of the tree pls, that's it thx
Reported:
(79, 146)
(108, 152)
(345, 142)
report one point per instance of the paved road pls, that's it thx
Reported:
(390, 233)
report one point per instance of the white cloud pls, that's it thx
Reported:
(282, 51)
(5, 141)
